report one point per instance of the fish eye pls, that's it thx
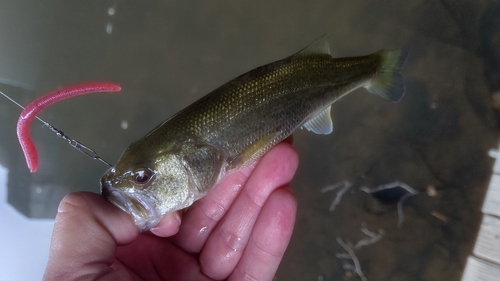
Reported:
(142, 176)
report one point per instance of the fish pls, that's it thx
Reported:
(184, 157)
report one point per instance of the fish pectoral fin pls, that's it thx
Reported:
(388, 82)
(318, 46)
(252, 152)
(321, 124)
(204, 163)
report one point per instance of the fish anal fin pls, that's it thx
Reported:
(318, 46)
(321, 124)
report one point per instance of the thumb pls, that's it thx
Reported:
(86, 232)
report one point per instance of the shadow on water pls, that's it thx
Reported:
(166, 55)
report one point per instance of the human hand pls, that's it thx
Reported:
(239, 231)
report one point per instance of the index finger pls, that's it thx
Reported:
(200, 219)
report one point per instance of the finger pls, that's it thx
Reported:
(154, 258)
(168, 225)
(225, 245)
(269, 238)
(86, 231)
(200, 219)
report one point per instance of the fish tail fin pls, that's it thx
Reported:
(388, 82)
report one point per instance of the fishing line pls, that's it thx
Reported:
(74, 143)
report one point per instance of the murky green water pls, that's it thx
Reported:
(167, 54)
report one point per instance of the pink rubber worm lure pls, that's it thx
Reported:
(30, 112)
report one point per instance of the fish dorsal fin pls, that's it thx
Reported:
(321, 124)
(318, 46)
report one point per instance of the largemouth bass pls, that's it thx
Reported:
(184, 157)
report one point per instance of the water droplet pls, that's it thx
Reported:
(124, 125)
(203, 229)
(109, 28)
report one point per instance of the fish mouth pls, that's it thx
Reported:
(141, 207)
